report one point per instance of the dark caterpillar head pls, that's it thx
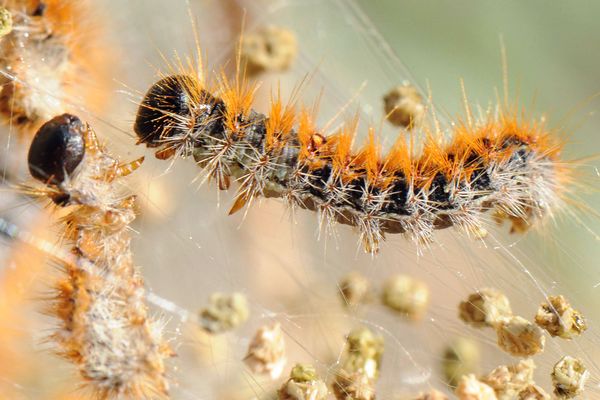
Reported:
(172, 107)
(57, 149)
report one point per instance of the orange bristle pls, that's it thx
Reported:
(280, 123)
(238, 96)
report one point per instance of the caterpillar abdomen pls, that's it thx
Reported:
(500, 164)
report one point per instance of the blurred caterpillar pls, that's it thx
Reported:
(50, 58)
(501, 163)
(104, 327)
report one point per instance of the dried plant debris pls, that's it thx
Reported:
(533, 392)
(520, 337)
(266, 352)
(225, 312)
(355, 380)
(461, 357)
(303, 384)
(364, 350)
(353, 386)
(558, 318)
(6, 22)
(431, 395)
(271, 48)
(404, 106)
(508, 381)
(406, 295)
(471, 388)
(355, 289)
(485, 308)
(568, 377)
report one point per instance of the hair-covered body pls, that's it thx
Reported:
(103, 327)
(501, 164)
(53, 60)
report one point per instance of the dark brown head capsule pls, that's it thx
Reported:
(157, 117)
(172, 107)
(57, 149)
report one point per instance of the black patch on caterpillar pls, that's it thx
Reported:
(210, 120)
(521, 156)
(398, 197)
(356, 188)
(255, 130)
(318, 179)
(438, 193)
(481, 182)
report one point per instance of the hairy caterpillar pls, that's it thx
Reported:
(104, 328)
(183, 282)
(501, 163)
(50, 58)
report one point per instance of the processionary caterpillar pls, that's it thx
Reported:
(501, 163)
(103, 327)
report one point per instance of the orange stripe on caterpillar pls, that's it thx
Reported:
(54, 57)
(502, 163)
(103, 326)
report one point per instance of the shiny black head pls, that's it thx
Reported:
(172, 106)
(57, 149)
(157, 115)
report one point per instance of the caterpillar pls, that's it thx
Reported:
(501, 163)
(104, 327)
(51, 57)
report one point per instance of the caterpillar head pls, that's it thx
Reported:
(57, 149)
(174, 113)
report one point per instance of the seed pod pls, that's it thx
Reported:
(304, 384)
(355, 385)
(533, 392)
(520, 337)
(360, 369)
(354, 289)
(568, 377)
(470, 388)
(266, 353)
(269, 49)
(6, 22)
(364, 350)
(485, 308)
(224, 313)
(404, 106)
(558, 318)
(508, 381)
(406, 295)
